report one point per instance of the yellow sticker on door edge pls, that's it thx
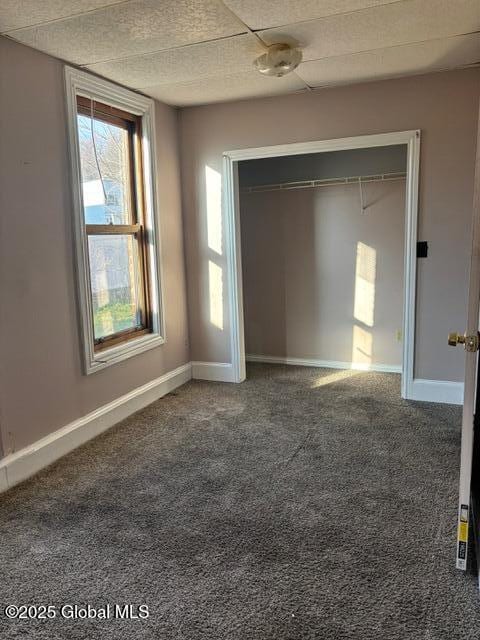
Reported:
(462, 537)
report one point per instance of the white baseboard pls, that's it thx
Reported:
(24, 463)
(3, 480)
(436, 391)
(214, 371)
(423, 390)
(327, 364)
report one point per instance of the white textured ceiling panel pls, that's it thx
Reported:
(188, 52)
(238, 86)
(262, 14)
(421, 57)
(185, 64)
(385, 26)
(15, 14)
(131, 28)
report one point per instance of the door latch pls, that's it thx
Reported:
(470, 343)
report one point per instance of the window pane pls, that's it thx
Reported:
(105, 167)
(115, 282)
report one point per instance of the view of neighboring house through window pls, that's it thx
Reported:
(112, 190)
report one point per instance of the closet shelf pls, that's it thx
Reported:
(326, 182)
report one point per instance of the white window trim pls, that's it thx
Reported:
(84, 84)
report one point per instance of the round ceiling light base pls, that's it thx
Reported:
(279, 60)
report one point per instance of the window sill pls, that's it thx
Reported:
(107, 357)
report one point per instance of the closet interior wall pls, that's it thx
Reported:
(323, 265)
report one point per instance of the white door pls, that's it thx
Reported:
(470, 341)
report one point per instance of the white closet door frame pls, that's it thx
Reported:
(233, 244)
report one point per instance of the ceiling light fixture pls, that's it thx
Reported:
(278, 60)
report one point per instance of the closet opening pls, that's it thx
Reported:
(325, 254)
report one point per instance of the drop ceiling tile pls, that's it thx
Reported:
(385, 26)
(132, 28)
(184, 64)
(423, 57)
(237, 86)
(15, 14)
(262, 14)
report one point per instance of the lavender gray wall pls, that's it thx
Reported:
(444, 106)
(42, 386)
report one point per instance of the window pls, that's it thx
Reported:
(116, 239)
(112, 201)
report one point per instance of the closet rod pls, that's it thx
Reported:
(326, 182)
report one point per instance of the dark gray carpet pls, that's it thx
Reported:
(304, 503)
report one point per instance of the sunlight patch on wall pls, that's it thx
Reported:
(213, 182)
(215, 286)
(362, 347)
(365, 275)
